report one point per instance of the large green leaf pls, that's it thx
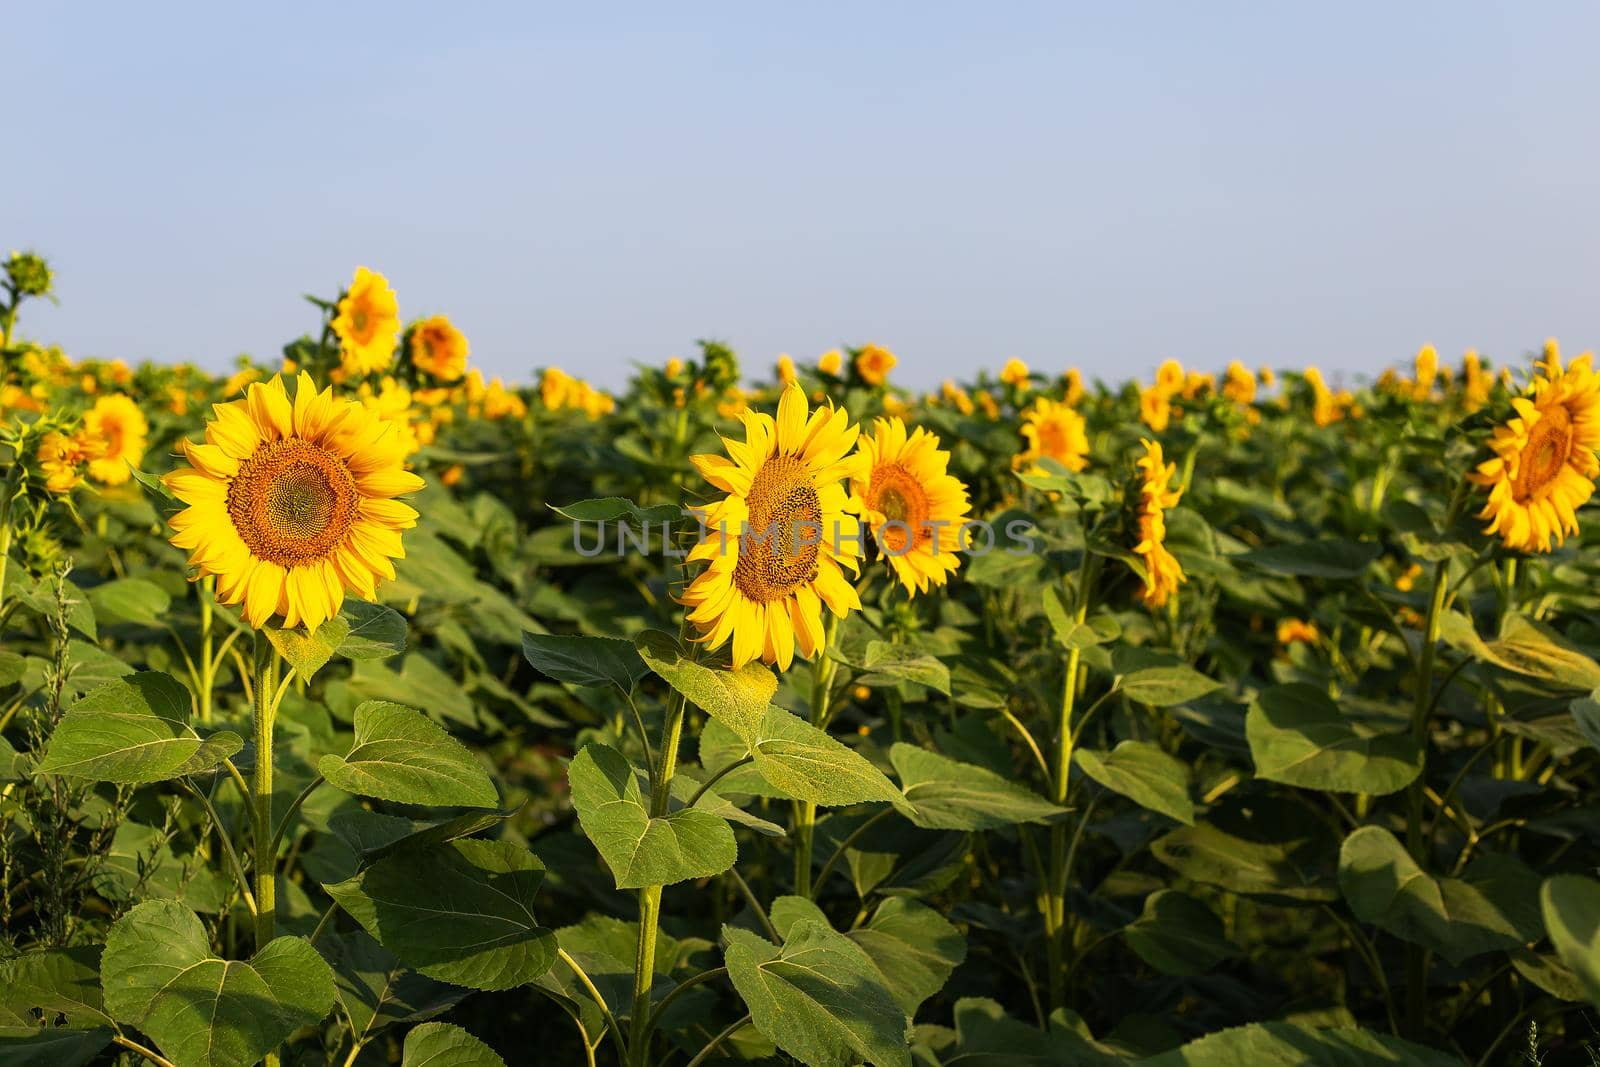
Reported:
(1298, 736)
(308, 651)
(1491, 907)
(51, 1046)
(584, 660)
(133, 600)
(1142, 772)
(946, 794)
(460, 912)
(1315, 559)
(374, 631)
(1177, 934)
(64, 982)
(132, 731)
(1292, 1045)
(1276, 865)
(1571, 907)
(736, 698)
(376, 990)
(1533, 648)
(1163, 686)
(889, 664)
(804, 763)
(818, 998)
(401, 755)
(160, 975)
(914, 947)
(642, 849)
(446, 1045)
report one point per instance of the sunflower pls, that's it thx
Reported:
(1162, 571)
(291, 503)
(1238, 384)
(913, 505)
(1072, 385)
(1544, 463)
(439, 348)
(776, 543)
(830, 362)
(874, 363)
(1053, 430)
(1155, 408)
(1014, 373)
(786, 371)
(1292, 630)
(63, 456)
(368, 324)
(119, 426)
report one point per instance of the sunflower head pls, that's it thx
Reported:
(1162, 570)
(1014, 373)
(1543, 465)
(63, 456)
(1155, 408)
(830, 362)
(1238, 384)
(1170, 377)
(873, 364)
(786, 371)
(292, 502)
(367, 324)
(1291, 631)
(1072, 387)
(775, 545)
(121, 429)
(913, 505)
(1053, 431)
(439, 349)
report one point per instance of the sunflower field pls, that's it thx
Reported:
(355, 710)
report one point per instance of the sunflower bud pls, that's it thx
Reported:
(29, 275)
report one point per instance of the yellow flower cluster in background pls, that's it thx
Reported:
(560, 390)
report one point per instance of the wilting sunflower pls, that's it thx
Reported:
(913, 505)
(1544, 463)
(1162, 571)
(1054, 431)
(120, 427)
(368, 324)
(766, 590)
(438, 348)
(874, 363)
(291, 503)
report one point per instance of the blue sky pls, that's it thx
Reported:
(1099, 185)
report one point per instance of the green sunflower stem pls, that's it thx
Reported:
(1055, 890)
(805, 812)
(263, 708)
(1416, 955)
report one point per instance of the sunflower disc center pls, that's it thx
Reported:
(779, 551)
(1547, 451)
(898, 495)
(293, 502)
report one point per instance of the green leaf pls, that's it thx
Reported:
(375, 631)
(1299, 737)
(130, 600)
(306, 651)
(584, 660)
(1176, 934)
(914, 948)
(804, 763)
(1162, 687)
(736, 698)
(1570, 905)
(1142, 772)
(949, 795)
(401, 755)
(1073, 634)
(33, 1046)
(818, 998)
(12, 666)
(132, 731)
(1315, 559)
(1292, 1045)
(1532, 648)
(889, 664)
(640, 849)
(1283, 867)
(64, 982)
(1490, 907)
(446, 1045)
(160, 975)
(460, 912)
(607, 508)
(377, 991)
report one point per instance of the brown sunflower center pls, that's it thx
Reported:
(778, 552)
(1547, 451)
(900, 497)
(293, 502)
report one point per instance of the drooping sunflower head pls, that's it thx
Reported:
(775, 545)
(1072, 387)
(1053, 431)
(439, 349)
(913, 505)
(873, 363)
(121, 429)
(63, 456)
(367, 324)
(1543, 465)
(292, 503)
(1163, 573)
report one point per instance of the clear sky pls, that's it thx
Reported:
(1101, 185)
